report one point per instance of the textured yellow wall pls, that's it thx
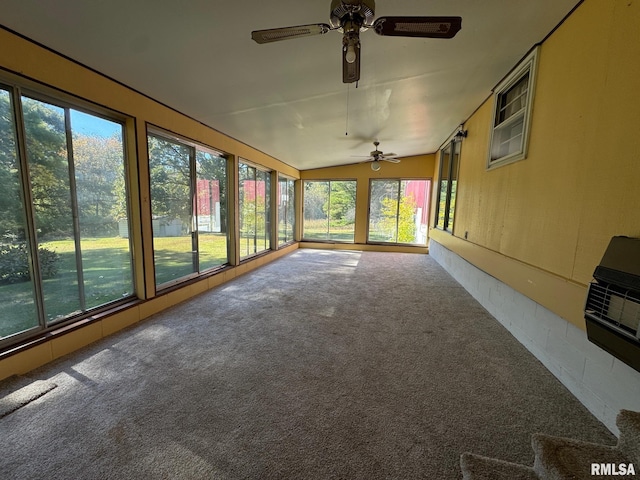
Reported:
(542, 224)
(557, 209)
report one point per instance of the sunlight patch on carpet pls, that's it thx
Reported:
(13, 401)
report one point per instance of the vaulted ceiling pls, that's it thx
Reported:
(287, 98)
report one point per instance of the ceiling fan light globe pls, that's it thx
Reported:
(375, 165)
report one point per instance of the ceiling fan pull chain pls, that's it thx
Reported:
(347, 124)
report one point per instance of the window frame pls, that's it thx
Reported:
(290, 205)
(399, 181)
(454, 147)
(194, 147)
(19, 88)
(269, 195)
(527, 66)
(328, 181)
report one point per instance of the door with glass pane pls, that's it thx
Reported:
(286, 210)
(188, 207)
(329, 210)
(211, 209)
(398, 211)
(172, 202)
(254, 194)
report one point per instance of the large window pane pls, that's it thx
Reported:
(448, 185)
(16, 276)
(316, 214)
(77, 255)
(455, 160)
(171, 209)
(76, 173)
(383, 211)
(443, 186)
(98, 154)
(398, 211)
(329, 210)
(286, 210)
(211, 171)
(254, 194)
(48, 159)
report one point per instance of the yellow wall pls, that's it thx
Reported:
(29, 64)
(556, 210)
(421, 166)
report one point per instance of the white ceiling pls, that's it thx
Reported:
(287, 98)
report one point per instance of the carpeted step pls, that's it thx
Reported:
(477, 467)
(629, 441)
(567, 459)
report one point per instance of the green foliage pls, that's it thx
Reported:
(10, 201)
(170, 172)
(341, 208)
(315, 196)
(334, 200)
(45, 137)
(210, 167)
(252, 213)
(98, 163)
(14, 263)
(405, 219)
(99, 170)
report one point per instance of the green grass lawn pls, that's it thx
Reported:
(174, 258)
(317, 230)
(106, 274)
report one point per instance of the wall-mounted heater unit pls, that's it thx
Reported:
(612, 310)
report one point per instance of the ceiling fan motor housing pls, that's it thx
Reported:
(359, 12)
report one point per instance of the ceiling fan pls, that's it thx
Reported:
(377, 156)
(354, 16)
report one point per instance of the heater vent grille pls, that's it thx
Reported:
(616, 306)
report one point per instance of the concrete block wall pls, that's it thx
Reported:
(604, 384)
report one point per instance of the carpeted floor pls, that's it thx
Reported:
(321, 365)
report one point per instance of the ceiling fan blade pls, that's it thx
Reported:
(285, 33)
(391, 159)
(351, 70)
(425, 27)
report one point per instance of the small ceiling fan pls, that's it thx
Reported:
(377, 156)
(354, 16)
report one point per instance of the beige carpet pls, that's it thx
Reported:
(321, 365)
